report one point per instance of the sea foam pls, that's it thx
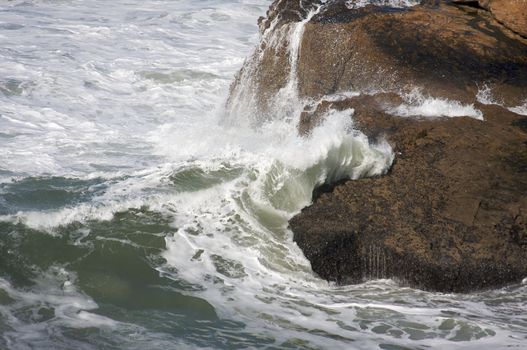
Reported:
(418, 105)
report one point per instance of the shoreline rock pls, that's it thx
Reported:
(510, 13)
(448, 51)
(451, 214)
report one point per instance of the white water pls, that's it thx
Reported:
(418, 105)
(131, 95)
(486, 97)
(521, 109)
(354, 4)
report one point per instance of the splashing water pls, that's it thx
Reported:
(136, 213)
(355, 4)
(486, 97)
(416, 104)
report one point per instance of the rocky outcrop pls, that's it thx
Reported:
(285, 11)
(451, 215)
(448, 51)
(511, 13)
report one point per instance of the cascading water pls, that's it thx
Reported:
(137, 213)
(245, 101)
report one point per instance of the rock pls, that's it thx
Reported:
(267, 71)
(448, 51)
(511, 13)
(451, 214)
(286, 11)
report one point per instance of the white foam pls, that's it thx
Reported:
(354, 4)
(85, 105)
(285, 103)
(418, 105)
(130, 95)
(485, 96)
(521, 109)
(340, 96)
(54, 290)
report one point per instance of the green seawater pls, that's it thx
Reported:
(137, 212)
(107, 284)
(115, 263)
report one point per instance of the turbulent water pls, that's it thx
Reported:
(136, 212)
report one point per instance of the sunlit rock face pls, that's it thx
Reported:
(510, 13)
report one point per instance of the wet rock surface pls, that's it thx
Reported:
(451, 214)
(446, 50)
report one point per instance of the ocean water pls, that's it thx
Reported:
(138, 212)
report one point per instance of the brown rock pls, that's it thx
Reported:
(286, 11)
(511, 13)
(451, 214)
(267, 70)
(448, 51)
